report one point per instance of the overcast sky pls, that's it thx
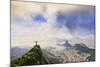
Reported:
(51, 24)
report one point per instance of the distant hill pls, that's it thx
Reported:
(37, 56)
(83, 48)
(17, 52)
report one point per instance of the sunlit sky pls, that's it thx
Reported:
(51, 24)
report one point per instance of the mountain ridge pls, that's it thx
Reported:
(37, 56)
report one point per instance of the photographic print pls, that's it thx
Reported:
(51, 33)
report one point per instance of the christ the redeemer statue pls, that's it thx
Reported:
(37, 45)
(36, 42)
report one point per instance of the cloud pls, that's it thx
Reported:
(76, 21)
(21, 8)
(50, 23)
(39, 18)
